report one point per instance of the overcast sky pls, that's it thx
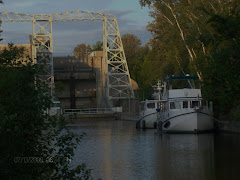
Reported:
(66, 35)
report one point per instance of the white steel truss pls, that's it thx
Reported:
(42, 49)
(118, 82)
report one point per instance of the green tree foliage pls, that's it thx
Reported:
(199, 36)
(81, 51)
(98, 46)
(134, 53)
(168, 54)
(132, 49)
(221, 64)
(33, 144)
(175, 27)
(146, 76)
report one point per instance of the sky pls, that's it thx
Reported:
(131, 17)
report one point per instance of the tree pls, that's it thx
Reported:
(201, 37)
(220, 66)
(173, 28)
(98, 46)
(81, 51)
(33, 144)
(134, 53)
(168, 54)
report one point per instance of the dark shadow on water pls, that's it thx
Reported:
(116, 150)
(227, 156)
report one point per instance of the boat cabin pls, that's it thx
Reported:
(186, 96)
(184, 104)
(149, 104)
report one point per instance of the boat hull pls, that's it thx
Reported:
(188, 122)
(148, 122)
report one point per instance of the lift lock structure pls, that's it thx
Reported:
(117, 82)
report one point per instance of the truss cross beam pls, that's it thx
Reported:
(118, 82)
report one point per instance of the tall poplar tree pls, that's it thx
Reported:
(201, 37)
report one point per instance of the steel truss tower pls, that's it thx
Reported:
(42, 49)
(118, 83)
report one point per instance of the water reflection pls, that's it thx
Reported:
(186, 156)
(227, 156)
(116, 150)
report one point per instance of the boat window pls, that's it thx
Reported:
(178, 105)
(151, 105)
(185, 104)
(194, 104)
(175, 105)
(172, 105)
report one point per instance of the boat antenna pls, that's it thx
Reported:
(158, 87)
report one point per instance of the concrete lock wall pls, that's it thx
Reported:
(99, 65)
(83, 80)
(84, 83)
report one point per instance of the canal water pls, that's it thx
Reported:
(116, 150)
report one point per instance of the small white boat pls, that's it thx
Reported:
(149, 110)
(184, 110)
(148, 115)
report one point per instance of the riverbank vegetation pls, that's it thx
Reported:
(33, 144)
(197, 37)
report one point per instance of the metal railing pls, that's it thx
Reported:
(93, 110)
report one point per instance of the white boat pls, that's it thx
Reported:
(183, 110)
(149, 110)
(148, 115)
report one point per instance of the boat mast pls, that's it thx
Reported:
(158, 87)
